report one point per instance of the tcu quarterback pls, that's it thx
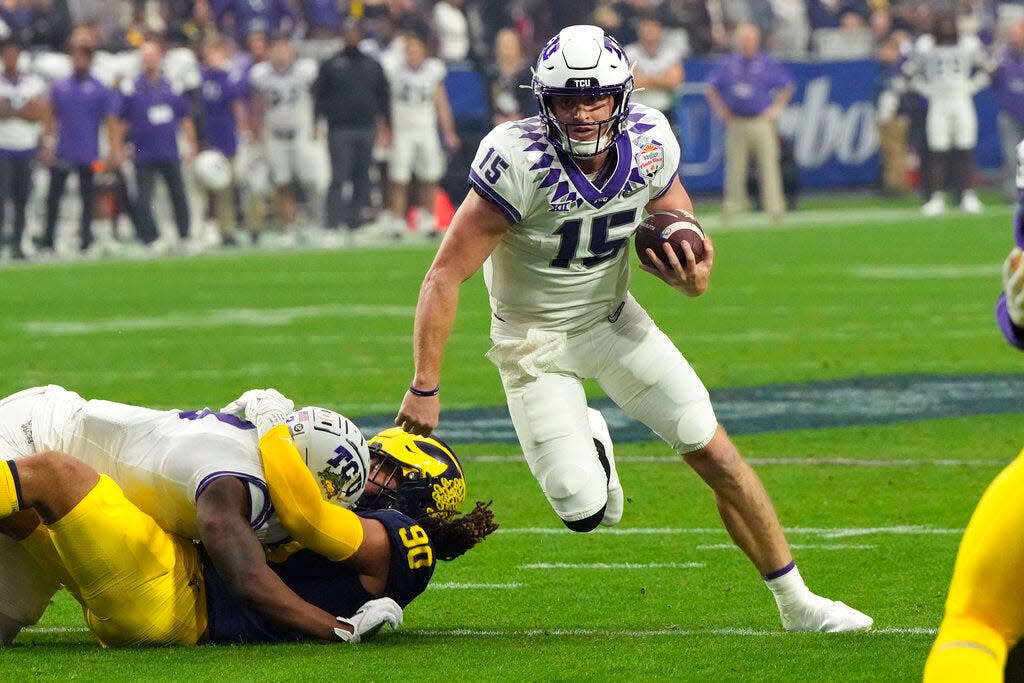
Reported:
(984, 612)
(555, 200)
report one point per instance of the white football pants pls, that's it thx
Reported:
(636, 365)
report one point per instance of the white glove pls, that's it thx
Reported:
(265, 408)
(369, 618)
(1013, 285)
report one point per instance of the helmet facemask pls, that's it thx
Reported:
(402, 486)
(608, 130)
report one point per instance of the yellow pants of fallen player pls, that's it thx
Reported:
(137, 584)
(985, 608)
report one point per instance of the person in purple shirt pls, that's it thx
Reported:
(748, 90)
(80, 105)
(323, 17)
(243, 17)
(1008, 88)
(223, 120)
(151, 112)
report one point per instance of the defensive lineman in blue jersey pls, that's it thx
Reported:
(555, 200)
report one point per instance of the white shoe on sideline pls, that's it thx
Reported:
(813, 613)
(935, 206)
(969, 202)
(603, 442)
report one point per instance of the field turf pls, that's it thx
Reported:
(874, 511)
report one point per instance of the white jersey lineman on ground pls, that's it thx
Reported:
(288, 117)
(162, 460)
(416, 148)
(579, 272)
(948, 76)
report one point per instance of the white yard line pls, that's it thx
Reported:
(476, 586)
(795, 546)
(647, 633)
(823, 532)
(861, 218)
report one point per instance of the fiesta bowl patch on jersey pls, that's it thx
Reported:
(650, 159)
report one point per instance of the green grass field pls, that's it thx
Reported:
(875, 517)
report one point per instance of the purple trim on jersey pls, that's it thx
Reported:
(18, 153)
(780, 572)
(264, 512)
(17, 483)
(611, 188)
(666, 188)
(491, 195)
(1014, 335)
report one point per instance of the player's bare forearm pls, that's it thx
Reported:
(475, 231)
(239, 559)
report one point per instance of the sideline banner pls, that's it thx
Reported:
(831, 121)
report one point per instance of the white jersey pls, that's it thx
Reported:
(288, 97)
(564, 262)
(161, 459)
(947, 72)
(412, 94)
(17, 134)
(647, 64)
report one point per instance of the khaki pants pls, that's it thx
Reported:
(892, 147)
(742, 136)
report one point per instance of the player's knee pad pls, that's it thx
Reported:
(576, 493)
(586, 524)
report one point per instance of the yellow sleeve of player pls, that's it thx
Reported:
(332, 531)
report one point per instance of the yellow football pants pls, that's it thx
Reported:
(985, 608)
(137, 584)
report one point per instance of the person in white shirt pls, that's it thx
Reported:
(283, 121)
(657, 67)
(23, 108)
(452, 31)
(419, 105)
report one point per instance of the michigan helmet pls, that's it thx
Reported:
(583, 61)
(413, 473)
(334, 450)
(213, 170)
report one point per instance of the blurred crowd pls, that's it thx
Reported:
(160, 125)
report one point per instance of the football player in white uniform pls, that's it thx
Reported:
(556, 198)
(948, 70)
(283, 115)
(198, 474)
(419, 104)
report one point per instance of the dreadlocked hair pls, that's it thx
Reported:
(452, 534)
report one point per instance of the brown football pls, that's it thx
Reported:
(674, 227)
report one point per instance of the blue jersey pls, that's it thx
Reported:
(331, 586)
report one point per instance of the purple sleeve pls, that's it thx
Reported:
(1014, 335)
(180, 105)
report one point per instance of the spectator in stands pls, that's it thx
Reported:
(224, 120)
(452, 31)
(852, 39)
(1008, 87)
(151, 112)
(748, 90)
(657, 67)
(105, 16)
(948, 71)
(353, 123)
(283, 120)
(419, 104)
(81, 105)
(244, 17)
(510, 101)
(200, 27)
(16, 18)
(23, 108)
(323, 19)
(50, 22)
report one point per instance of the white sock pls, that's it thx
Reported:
(787, 588)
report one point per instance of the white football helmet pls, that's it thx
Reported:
(583, 61)
(213, 170)
(335, 452)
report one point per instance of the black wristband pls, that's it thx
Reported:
(424, 392)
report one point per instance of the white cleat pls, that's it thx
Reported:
(935, 206)
(814, 613)
(603, 441)
(969, 202)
